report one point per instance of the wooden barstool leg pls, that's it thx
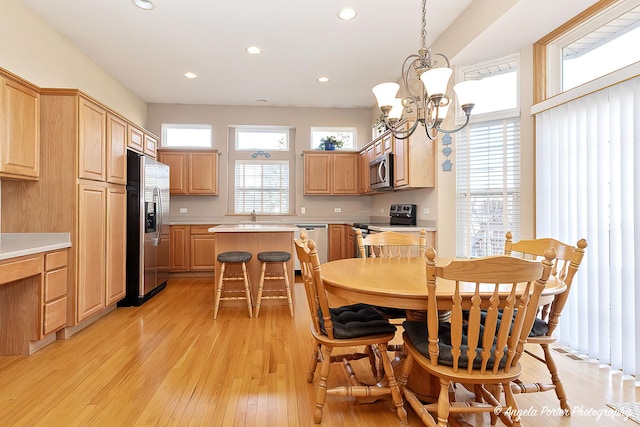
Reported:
(260, 286)
(287, 287)
(247, 289)
(216, 306)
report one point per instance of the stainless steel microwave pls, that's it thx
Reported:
(381, 173)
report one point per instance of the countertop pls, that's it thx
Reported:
(14, 245)
(252, 227)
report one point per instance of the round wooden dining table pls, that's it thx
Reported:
(402, 283)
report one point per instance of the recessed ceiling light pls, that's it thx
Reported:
(323, 79)
(144, 4)
(347, 14)
(190, 75)
(253, 50)
(261, 101)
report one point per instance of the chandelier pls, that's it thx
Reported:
(425, 98)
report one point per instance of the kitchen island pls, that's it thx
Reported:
(255, 237)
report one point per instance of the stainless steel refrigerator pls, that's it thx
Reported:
(147, 228)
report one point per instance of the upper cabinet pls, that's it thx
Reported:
(413, 160)
(19, 128)
(142, 141)
(191, 172)
(331, 173)
(116, 150)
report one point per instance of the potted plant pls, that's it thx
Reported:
(330, 143)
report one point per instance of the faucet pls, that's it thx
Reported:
(253, 215)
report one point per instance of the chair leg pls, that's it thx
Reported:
(287, 288)
(260, 286)
(321, 387)
(247, 288)
(443, 403)
(511, 404)
(555, 379)
(216, 304)
(396, 395)
(313, 363)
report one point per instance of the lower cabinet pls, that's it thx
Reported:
(192, 249)
(54, 297)
(101, 247)
(339, 242)
(203, 248)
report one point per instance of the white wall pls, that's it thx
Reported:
(214, 208)
(34, 51)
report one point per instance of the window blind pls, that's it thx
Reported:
(588, 186)
(487, 186)
(261, 185)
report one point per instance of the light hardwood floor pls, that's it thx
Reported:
(169, 363)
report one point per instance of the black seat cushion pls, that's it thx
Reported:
(234, 256)
(357, 320)
(391, 313)
(419, 335)
(274, 256)
(539, 329)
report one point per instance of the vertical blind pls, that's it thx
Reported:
(261, 186)
(588, 186)
(487, 186)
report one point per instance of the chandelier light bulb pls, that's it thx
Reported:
(467, 92)
(436, 81)
(385, 93)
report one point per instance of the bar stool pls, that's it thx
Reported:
(233, 257)
(280, 258)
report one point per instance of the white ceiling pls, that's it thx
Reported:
(301, 40)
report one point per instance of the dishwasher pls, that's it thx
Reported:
(319, 234)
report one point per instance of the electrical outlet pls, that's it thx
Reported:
(425, 211)
(183, 210)
(337, 210)
(303, 210)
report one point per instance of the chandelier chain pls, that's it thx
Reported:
(424, 24)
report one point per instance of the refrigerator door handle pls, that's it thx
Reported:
(161, 219)
(158, 198)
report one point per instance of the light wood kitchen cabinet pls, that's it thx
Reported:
(91, 245)
(116, 150)
(92, 140)
(101, 247)
(116, 244)
(179, 250)
(366, 156)
(191, 172)
(192, 248)
(331, 173)
(338, 238)
(54, 298)
(135, 139)
(203, 248)
(150, 145)
(81, 191)
(414, 161)
(19, 128)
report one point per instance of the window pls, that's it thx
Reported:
(347, 135)
(587, 160)
(262, 139)
(615, 38)
(601, 40)
(488, 165)
(262, 186)
(260, 172)
(186, 136)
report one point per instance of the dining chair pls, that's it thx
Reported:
(391, 244)
(565, 267)
(482, 355)
(354, 325)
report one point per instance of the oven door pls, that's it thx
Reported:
(381, 173)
